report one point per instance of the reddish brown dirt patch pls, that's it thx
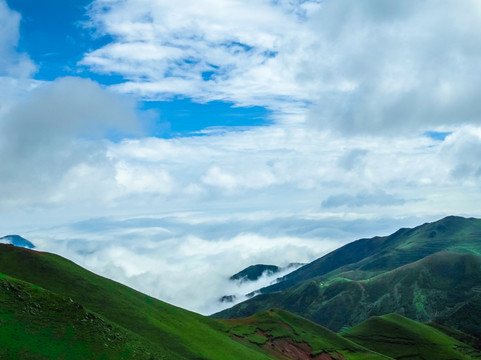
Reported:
(287, 349)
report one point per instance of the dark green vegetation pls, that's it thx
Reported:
(254, 272)
(429, 273)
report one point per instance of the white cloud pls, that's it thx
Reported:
(463, 149)
(165, 49)
(143, 179)
(179, 262)
(50, 135)
(412, 65)
(369, 67)
(170, 232)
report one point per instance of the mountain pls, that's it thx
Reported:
(54, 309)
(254, 272)
(16, 240)
(431, 272)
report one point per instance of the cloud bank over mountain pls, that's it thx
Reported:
(372, 124)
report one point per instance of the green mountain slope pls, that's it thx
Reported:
(38, 324)
(402, 338)
(367, 257)
(406, 273)
(173, 332)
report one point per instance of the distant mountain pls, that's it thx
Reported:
(254, 272)
(431, 272)
(16, 240)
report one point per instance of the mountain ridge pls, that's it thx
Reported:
(368, 267)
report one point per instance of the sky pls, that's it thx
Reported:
(168, 145)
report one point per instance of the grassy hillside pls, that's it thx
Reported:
(283, 334)
(408, 272)
(402, 338)
(176, 333)
(38, 324)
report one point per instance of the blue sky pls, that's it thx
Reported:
(147, 139)
(51, 32)
(56, 36)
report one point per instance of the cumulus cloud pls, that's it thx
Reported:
(50, 133)
(204, 49)
(463, 148)
(360, 67)
(407, 66)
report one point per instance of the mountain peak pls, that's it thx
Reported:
(16, 240)
(254, 272)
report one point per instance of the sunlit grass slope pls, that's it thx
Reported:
(39, 324)
(166, 330)
(402, 338)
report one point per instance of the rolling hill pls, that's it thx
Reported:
(402, 338)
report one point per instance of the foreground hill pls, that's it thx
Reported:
(401, 338)
(54, 309)
(285, 335)
(168, 332)
(431, 272)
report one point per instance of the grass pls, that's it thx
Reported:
(402, 338)
(262, 328)
(176, 333)
(38, 324)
